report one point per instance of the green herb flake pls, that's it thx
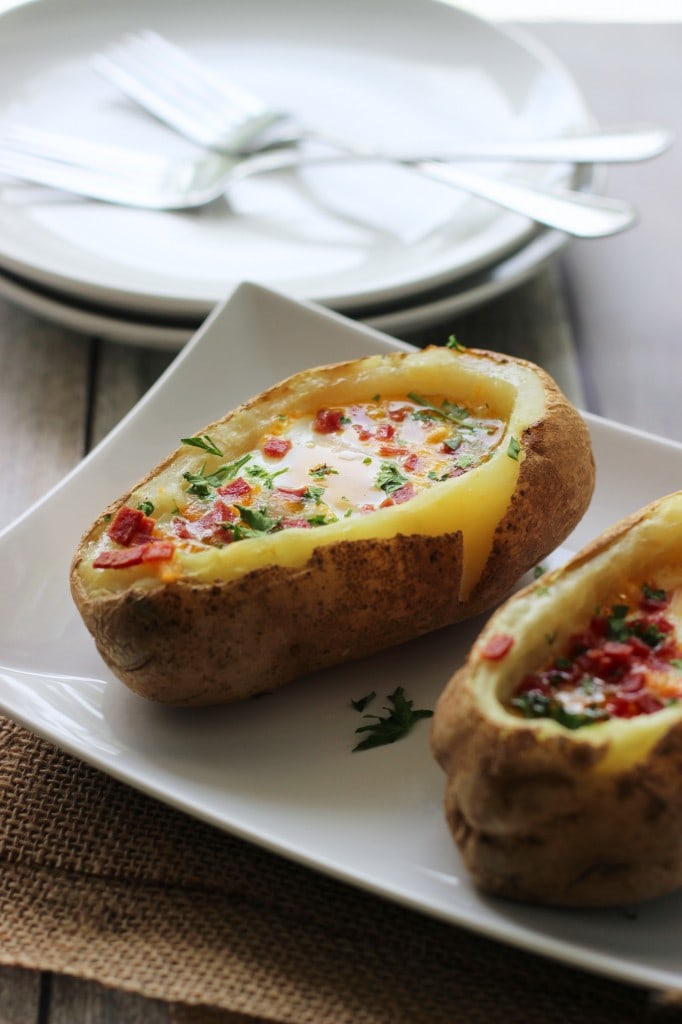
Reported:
(203, 441)
(202, 483)
(322, 520)
(396, 724)
(264, 476)
(361, 703)
(257, 521)
(514, 449)
(676, 663)
(389, 478)
(454, 344)
(538, 705)
(313, 494)
(147, 507)
(319, 472)
(539, 571)
(654, 594)
(453, 443)
(447, 411)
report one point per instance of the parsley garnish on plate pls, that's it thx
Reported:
(361, 703)
(397, 723)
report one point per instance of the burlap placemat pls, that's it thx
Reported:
(103, 883)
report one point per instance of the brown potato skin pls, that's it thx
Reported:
(533, 820)
(534, 824)
(194, 643)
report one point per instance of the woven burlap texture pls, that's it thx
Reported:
(104, 883)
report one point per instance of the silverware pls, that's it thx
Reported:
(129, 178)
(171, 85)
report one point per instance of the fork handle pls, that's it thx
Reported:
(580, 214)
(627, 143)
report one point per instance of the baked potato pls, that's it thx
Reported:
(347, 509)
(561, 736)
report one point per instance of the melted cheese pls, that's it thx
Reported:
(473, 503)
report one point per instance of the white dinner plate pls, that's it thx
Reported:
(424, 311)
(246, 768)
(418, 74)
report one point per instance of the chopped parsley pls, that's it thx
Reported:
(539, 705)
(264, 475)
(361, 703)
(203, 483)
(446, 410)
(314, 494)
(203, 441)
(389, 478)
(322, 470)
(397, 723)
(514, 449)
(257, 521)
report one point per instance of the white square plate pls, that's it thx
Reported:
(280, 771)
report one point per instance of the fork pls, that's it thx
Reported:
(124, 176)
(118, 175)
(217, 114)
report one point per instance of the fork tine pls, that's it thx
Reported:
(212, 86)
(67, 177)
(169, 84)
(86, 153)
(114, 174)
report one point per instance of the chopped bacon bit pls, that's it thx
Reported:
(158, 551)
(404, 493)
(413, 463)
(389, 450)
(497, 646)
(238, 488)
(153, 551)
(299, 523)
(209, 526)
(276, 447)
(397, 413)
(385, 432)
(292, 492)
(131, 526)
(328, 421)
(363, 433)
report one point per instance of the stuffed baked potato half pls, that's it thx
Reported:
(347, 509)
(561, 737)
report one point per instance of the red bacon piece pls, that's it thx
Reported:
(276, 447)
(238, 488)
(131, 526)
(153, 551)
(328, 421)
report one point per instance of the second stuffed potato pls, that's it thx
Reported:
(561, 736)
(345, 510)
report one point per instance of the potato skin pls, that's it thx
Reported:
(537, 814)
(193, 642)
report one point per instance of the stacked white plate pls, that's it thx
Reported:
(374, 241)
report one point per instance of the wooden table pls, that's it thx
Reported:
(607, 320)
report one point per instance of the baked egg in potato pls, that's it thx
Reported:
(346, 509)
